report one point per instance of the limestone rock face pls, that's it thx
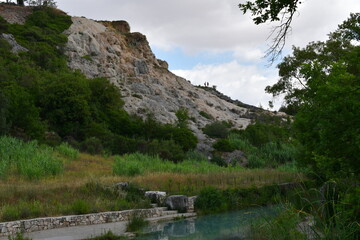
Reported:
(16, 48)
(110, 50)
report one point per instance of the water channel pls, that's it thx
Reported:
(224, 226)
(233, 225)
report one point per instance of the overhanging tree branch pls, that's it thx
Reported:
(270, 10)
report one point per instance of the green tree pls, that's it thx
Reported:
(323, 81)
(64, 103)
(182, 116)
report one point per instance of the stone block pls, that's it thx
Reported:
(177, 202)
(156, 196)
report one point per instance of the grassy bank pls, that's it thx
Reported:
(86, 182)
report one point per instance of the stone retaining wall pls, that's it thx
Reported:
(39, 224)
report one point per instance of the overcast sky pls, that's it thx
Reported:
(211, 41)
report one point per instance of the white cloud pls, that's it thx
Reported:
(205, 25)
(245, 83)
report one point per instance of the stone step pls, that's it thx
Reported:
(169, 213)
(173, 216)
(154, 205)
(162, 208)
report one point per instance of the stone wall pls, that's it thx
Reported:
(39, 224)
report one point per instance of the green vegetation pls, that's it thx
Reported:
(138, 164)
(266, 144)
(109, 236)
(224, 145)
(212, 200)
(270, 154)
(205, 115)
(58, 112)
(28, 159)
(327, 121)
(18, 236)
(321, 87)
(89, 197)
(40, 94)
(136, 223)
(319, 214)
(282, 227)
(67, 151)
(216, 129)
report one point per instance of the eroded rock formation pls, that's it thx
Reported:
(109, 49)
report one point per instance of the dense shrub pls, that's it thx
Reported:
(216, 130)
(213, 200)
(210, 200)
(184, 137)
(92, 145)
(168, 150)
(259, 134)
(218, 160)
(269, 154)
(182, 117)
(223, 145)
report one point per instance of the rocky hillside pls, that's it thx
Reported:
(111, 50)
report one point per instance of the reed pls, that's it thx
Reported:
(30, 160)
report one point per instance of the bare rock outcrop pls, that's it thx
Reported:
(15, 47)
(14, 14)
(109, 49)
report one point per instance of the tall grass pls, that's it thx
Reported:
(28, 159)
(270, 154)
(138, 164)
(331, 213)
(67, 151)
(136, 223)
(56, 199)
(282, 227)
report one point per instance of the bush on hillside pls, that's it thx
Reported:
(40, 94)
(216, 130)
(223, 145)
(166, 149)
(259, 134)
(92, 145)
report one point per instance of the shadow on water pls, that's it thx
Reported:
(224, 226)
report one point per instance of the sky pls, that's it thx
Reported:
(212, 41)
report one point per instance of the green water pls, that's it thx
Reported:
(224, 226)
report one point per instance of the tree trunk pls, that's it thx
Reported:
(20, 2)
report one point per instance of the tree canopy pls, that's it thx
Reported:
(321, 83)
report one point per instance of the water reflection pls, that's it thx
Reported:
(224, 226)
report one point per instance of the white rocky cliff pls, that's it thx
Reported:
(110, 50)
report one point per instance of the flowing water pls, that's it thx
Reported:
(224, 226)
